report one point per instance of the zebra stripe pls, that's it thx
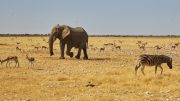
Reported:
(153, 60)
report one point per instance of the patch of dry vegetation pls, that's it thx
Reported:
(111, 72)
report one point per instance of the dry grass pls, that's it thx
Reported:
(112, 72)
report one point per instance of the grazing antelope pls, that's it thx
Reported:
(102, 49)
(90, 45)
(17, 43)
(139, 42)
(18, 49)
(153, 60)
(111, 44)
(9, 59)
(142, 47)
(36, 47)
(44, 47)
(144, 44)
(157, 47)
(177, 44)
(31, 60)
(173, 47)
(106, 44)
(94, 48)
(90, 84)
(118, 47)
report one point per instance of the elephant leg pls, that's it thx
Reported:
(68, 52)
(79, 54)
(85, 53)
(62, 45)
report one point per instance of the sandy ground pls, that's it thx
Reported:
(107, 75)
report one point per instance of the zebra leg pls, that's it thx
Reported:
(161, 70)
(142, 69)
(136, 68)
(155, 69)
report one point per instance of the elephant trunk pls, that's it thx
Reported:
(51, 41)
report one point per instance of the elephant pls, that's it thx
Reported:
(74, 37)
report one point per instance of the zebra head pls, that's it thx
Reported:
(169, 63)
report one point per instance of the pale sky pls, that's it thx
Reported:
(118, 17)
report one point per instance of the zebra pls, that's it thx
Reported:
(153, 60)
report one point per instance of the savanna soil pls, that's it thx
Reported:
(107, 75)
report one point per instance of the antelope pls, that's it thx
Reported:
(106, 44)
(44, 47)
(9, 59)
(17, 43)
(31, 60)
(176, 44)
(139, 42)
(102, 49)
(173, 47)
(110, 44)
(142, 46)
(144, 43)
(94, 48)
(36, 47)
(90, 45)
(18, 49)
(157, 47)
(118, 47)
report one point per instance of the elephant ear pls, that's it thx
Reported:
(54, 29)
(65, 32)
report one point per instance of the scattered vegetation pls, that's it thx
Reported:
(106, 76)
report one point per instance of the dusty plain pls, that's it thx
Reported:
(107, 75)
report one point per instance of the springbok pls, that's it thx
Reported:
(9, 59)
(31, 60)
